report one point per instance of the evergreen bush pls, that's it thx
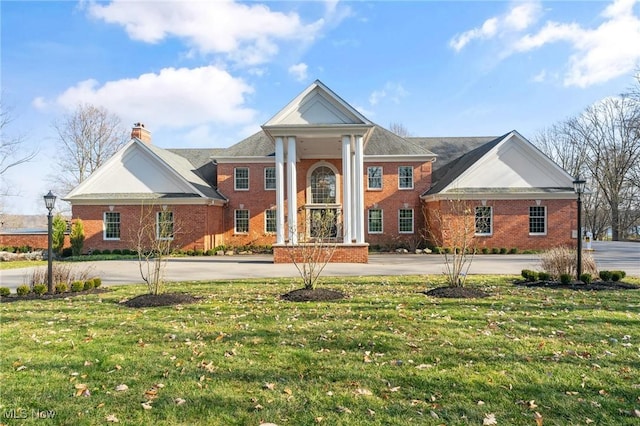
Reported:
(77, 286)
(61, 288)
(77, 237)
(605, 275)
(565, 279)
(23, 290)
(586, 278)
(40, 289)
(5, 291)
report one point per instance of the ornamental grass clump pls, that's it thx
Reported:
(563, 260)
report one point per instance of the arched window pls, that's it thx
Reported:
(323, 186)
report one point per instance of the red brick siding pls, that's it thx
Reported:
(35, 241)
(342, 254)
(511, 224)
(195, 226)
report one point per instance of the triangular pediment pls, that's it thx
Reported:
(516, 164)
(317, 106)
(133, 170)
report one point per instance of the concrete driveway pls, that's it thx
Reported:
(609, 255)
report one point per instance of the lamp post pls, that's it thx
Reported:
(50, 202)
(578, 187)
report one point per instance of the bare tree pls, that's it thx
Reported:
(12, 149)
(315, 247)
(452, 227)
(153, 237)
(399, 129)
(87, 138)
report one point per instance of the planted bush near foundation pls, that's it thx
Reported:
(62, 288)
(565, 278)
(88, 284)
(495, 250)
(544, 276)
(77, 286)
(615, 276)
(5, 291)
(586, 278)
(529, 275)
(605, 275)
(40, 289)
(23, 290)
(97, 282)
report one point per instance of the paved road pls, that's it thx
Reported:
(608, 255)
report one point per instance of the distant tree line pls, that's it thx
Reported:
(602, 146)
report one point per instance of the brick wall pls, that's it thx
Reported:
(197, 227)
(342, 254)
(510, 224)
(35, 240)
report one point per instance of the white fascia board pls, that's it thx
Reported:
(115, 159)
(399, 158)
(172, 171)
(568, 195)
(147, 202)
(245, 160)
(311, 130)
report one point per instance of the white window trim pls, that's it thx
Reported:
(235, 179)
(235, 222)
(309, 195)
(381, 178)
(275, 219)
(104, 227)
(485, 234)
(274, 178)
(546, 222)
(400, 188)
(369, 231)
(413, 222)
(158, 226)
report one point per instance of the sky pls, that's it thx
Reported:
(206, 74)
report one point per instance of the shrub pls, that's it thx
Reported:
(5, 291)
(605, 275)
(61, 288)
(67, 252)
(96, 251)
(503, 250)
(438, 250)
(40, 289)
(447, 250)
(198, 252)
(211, 252)
(586, 278)
(565, 278)
(77, 286)
(513, 250)
(77, 237)
(88, 284)
(97, 282)
(190, 252)
(116, 251)
(23, 290)
(562, 260)
(126, 252)
(106, 251)
(59, 227)
(615, 276)
(530, 275)
(544, 276)
(485, 250)
(525, 273)
(495, 250)
(622, 273)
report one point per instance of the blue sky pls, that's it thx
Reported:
(208, 74)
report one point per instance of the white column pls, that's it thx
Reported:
(292, 191)
(346, 189)
(359, 187)
(352, 160)
(279, 191)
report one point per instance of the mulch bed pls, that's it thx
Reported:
(317, 295)
(579, 285)
(456, 293)
(162, 299)
(33, 296)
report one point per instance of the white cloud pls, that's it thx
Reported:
(519, 17)
(175, 97)
(299, 71)
(540, 77)
(247, 33)
(393, 91)
(610, 50)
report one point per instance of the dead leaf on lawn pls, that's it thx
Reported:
(636, 413)
(179, 401)
(82, 389)
(111, 418)
(269, 386)
(532, 404)
(287, 391)
(363, 391)
(538, 418)
(122, 388)
(146, 406)
(342, 409)
(489, 419)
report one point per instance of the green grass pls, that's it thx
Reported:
(388, 355)
(21, 264)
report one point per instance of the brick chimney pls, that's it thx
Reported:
(139, 132)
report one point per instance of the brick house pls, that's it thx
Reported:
(319, 155)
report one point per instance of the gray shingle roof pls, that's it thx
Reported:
(449, 148)
(452, 169)
(384, 142)
(256, 145)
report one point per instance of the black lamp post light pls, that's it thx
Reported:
(578, 187)
(50, 202)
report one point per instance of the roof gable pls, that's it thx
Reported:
(509, 163)
(317, 105)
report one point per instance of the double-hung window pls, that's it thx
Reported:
(374, 177)
(405, 177)
(111, 226)
(375, 221)
(269, 178)
(484, 220)
(241, 178)
(270, 221)
(537, 220)
(241, 222)
(164, 225)
(405, 221)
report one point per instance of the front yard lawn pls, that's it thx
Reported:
(386, 355)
